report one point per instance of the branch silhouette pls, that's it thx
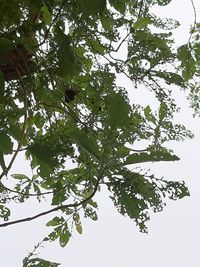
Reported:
(72, 205)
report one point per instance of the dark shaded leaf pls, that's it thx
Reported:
(6, 145)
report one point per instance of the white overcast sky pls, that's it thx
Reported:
(114, 240)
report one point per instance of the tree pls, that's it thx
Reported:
(61, 106)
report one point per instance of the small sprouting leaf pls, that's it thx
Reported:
(4, 212)
(20, 177)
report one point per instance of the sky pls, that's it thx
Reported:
(114, 240)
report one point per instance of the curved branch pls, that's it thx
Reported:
(72, 205)
(195, 20)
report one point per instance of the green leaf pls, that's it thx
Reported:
(150, 157)
(187, 62)
(55, 221)
(92, 203)
(5, 46)
(91, 7)
(89, 212)
(118, 110)
(44, 153)
(107, 22)
(15, 131)
(46, 15)
(171, 78)
(38, 262)
(67, 65)
(20, 177)
(78, 225)
(86, 141)
(163, 2)
(141, 23)
(149, 116)
(96, 46)
(64, 238)
(59, 197)
(119, 5)
(177, 190)
(6, 145)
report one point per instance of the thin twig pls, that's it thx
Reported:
(195, 20)
(72, 205)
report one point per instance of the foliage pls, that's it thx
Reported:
(60, 104)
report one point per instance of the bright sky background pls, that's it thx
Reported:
(114, 240)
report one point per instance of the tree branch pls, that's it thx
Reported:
(72, 205)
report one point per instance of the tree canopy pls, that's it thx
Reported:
(62, 108)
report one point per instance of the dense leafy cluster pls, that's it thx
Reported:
(60, 104)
